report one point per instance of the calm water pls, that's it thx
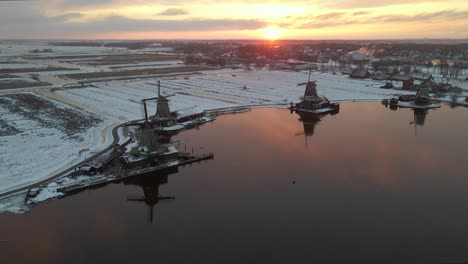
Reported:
(364, 185)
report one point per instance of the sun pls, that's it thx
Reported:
(272, 33)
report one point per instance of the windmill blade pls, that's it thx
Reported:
(150, 214)
(135, 198)
(149, 99)
(166, 198)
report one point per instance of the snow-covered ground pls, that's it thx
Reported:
(22, 65)
(22, 48)
(219, 89)
(14, 80)
(14, 203)
(33, 146)
(458, 100)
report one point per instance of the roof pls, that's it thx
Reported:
(400, 77)
(361, 73)
(189, 112)
(421, 76)
(106, 157)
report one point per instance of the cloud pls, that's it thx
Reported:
(440, 15)
(84, 3)
(29, 13)
(325, 24)
(352, 4)
(119, 23)
(360, 13)
(60, 25)
(352, 18)
(330, 15)
(173, 12)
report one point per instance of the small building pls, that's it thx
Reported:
(161, 155)
(422, 76)
(354, 57)
(188, 114)
(407, 84)
(99, 163)
(305, 66)
(149, 152)
(406, 79)
(388, 85)
(361, 73)
(379, 76)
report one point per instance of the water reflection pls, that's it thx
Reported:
(367, 183)
(419, 116)
(150, 186)
(310, 120)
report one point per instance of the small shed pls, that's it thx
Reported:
(407, 84)
(407, 80)
(360, 73)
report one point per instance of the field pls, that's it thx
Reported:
(138, 72)
(14, 84)
(126, 59)
(46, 69)
(121, 100)
(38, 137)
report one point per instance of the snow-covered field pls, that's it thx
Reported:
(36, 142)
(24, 48)
(22, 66)
(121, 100)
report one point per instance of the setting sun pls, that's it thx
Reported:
(272, 33)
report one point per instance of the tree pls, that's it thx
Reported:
(444, 70)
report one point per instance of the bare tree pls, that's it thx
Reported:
(454, 71)
(444, 70)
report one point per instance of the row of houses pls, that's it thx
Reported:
(407, 80)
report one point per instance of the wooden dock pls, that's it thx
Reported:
(183, 159)
(186, 158)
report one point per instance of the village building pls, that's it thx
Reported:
(405, 79)
(305, 66)
(99, 163)
(361, 73)
(354, 57)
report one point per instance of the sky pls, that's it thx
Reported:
(241, 19)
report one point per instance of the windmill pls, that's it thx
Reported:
(162, 105)
(312, 102)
